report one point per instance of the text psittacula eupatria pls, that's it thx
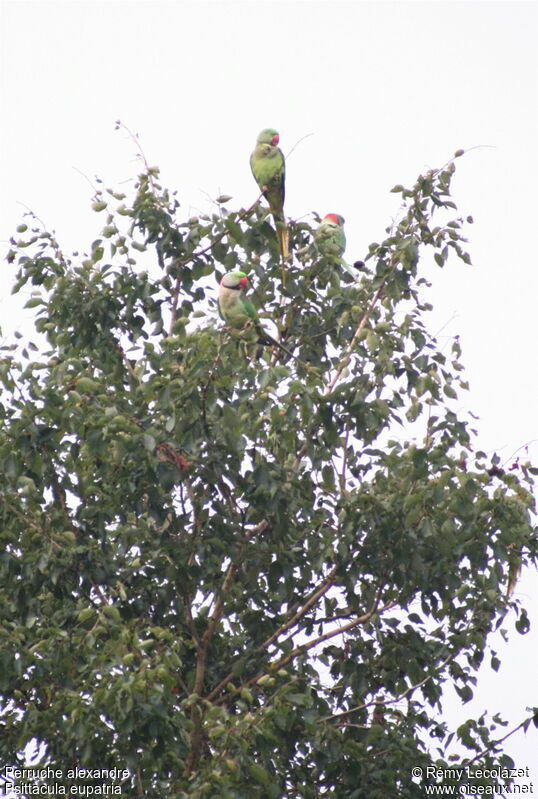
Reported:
(239, 313)
(330, 241)
(269, 169)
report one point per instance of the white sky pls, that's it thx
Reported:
(386, 90)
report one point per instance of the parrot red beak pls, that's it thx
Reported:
(276, 139)
(243, 282)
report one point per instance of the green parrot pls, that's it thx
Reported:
(238, 312)
(330, 241)
(269, 170)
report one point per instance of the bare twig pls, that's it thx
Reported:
(297, 143)
(141, 154)
(85, 176)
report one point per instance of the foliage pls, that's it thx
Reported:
(233, 573)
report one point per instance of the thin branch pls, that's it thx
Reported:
(462, 152)
(228, 577)
(33, 214)
(205, 387)
(196, 522)
(27, 522)
(494, 744)
(99, 591)
(141, 154)
(80, 172)
(314, 596)
(523, 446)
(182, 684)
(201, 656)
(351, 345)
(446, 324)
(52, 240)
(229, 498)
(323, 333)
(190, 620)
(221, 235)
(342, 477)
(127, 362)
(312, 599)
(386, 702)
(303, 648)
(297, 143)
(219, 604)
(299, 457)
(332, 633)
(345, 614)
(226, 585)
(343, 365)
(258, 528)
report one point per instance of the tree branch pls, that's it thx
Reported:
(314, 596)
(312, 599)
(332, 633)
(303, 648)
(202, 647)
(141, 155)
(525, 723)
(342, 477)
(386, 702)
(351, 345)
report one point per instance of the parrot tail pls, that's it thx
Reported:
(514, 572)
(264, 340)
(267, 340)
(283, 240)
(355, 274)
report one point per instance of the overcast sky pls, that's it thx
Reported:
(381, 91)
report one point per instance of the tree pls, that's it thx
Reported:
(231, 573)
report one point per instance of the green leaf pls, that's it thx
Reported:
(149, 442)
(34, 302)
(258, 773)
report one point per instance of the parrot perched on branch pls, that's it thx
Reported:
(330, 241)
(269, 170)
(238, 312)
